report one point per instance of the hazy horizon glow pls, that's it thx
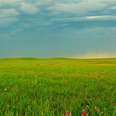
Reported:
(58, 28)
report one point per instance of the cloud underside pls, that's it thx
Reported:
(62, 11)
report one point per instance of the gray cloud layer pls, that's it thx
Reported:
(55, 7)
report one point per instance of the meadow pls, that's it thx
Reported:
(51, 87)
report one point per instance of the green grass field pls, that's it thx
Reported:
(50, 87)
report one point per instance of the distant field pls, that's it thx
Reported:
(50, 87)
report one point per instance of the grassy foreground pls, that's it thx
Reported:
(50, 87)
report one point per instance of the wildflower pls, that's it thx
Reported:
(5, 89)
(67, 113)
(87, 106)
(95, 107)
(97, 110)
(102, 112)
(86, 114)
(83, 112)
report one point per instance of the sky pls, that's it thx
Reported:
(58, 28)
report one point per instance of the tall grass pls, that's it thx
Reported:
(50, 87)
